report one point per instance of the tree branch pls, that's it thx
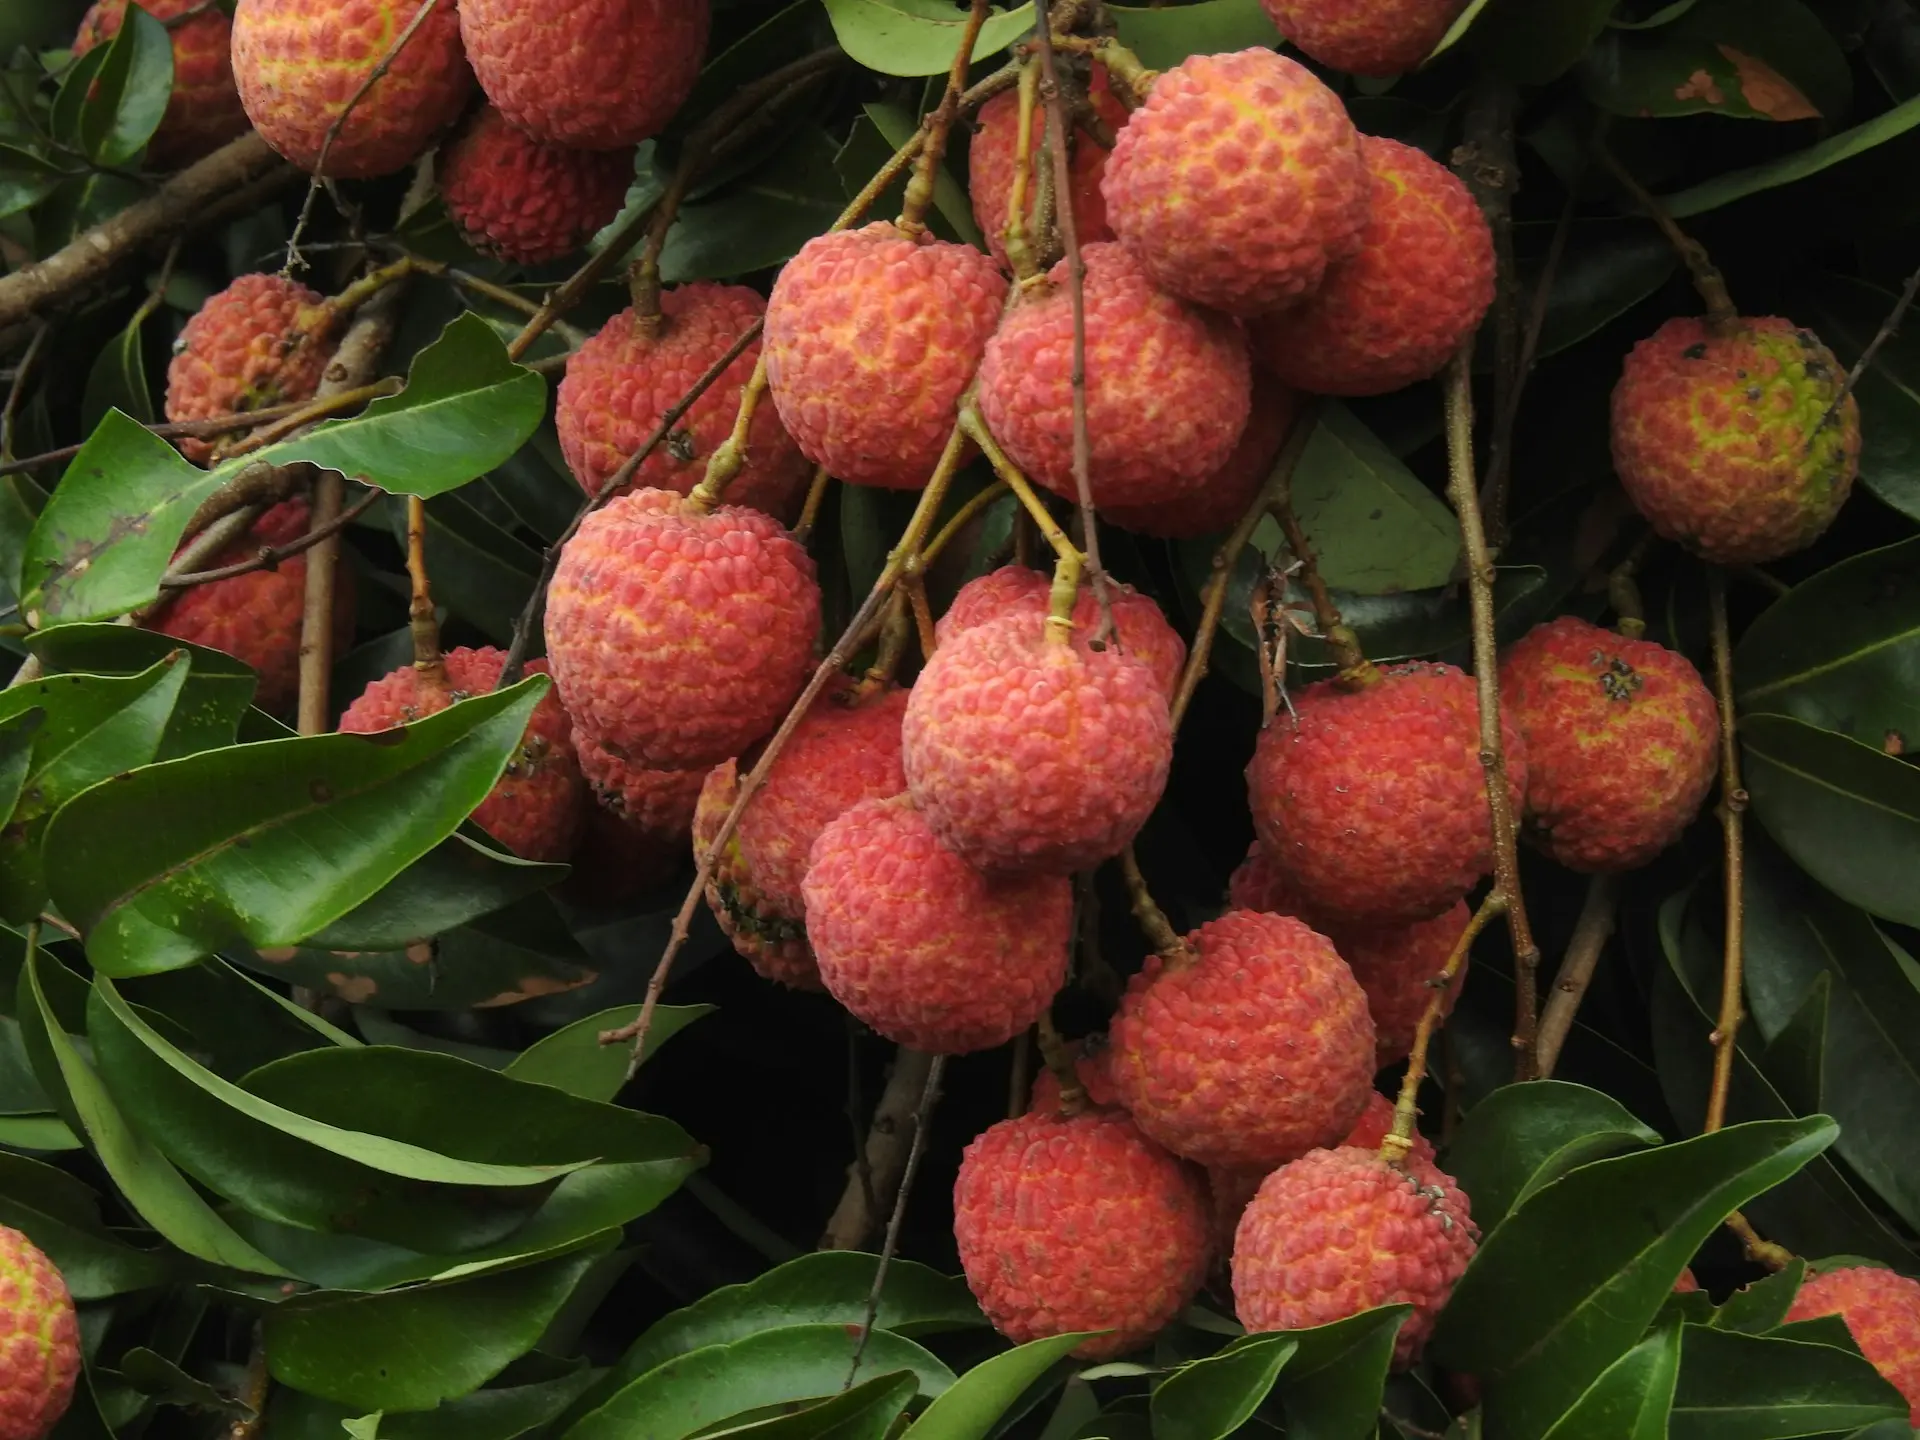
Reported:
(872, 1187)
(1590, 934)
(1733, 804)
(929, 1094)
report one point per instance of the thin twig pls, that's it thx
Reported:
(1356, 671)
(270, 556)
(1733, 804)
(1707, 279)
(810, 507)
(421, 620)
(1888, 329)
(880, 1159)
(1494, 490)
(959, 521)
(18, 388)
(1485, 161)
(1406, 1106)
(1590, 934)
(1166, 941)
(929, 1093)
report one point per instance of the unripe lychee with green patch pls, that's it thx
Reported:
(1373, 801)
(871, 339)
(922, 947)
(39, 1338)
(1396, 311)
(1733, 444)
(203, 109)
(679, 636)
(590, 74)
(1167, 386)
(264, 340)
(1623, 742)
(1378, 39)
(990, 157)
(1238, 182)
(1882, 1311)
(1253, 1049)
(298, 63)
(628, 375)
(774, 942)
(1079, 1222)
(1220, 500)
(516, 199)
(537, 806)
(1028, 752)
(1138, 621)
(1337, 1232)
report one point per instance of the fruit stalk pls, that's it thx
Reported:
(1889, 327)
(1406, 1106)
(938, 125)
(1707, 278)
(1356, 671)
(1590, 934)
(1015, 238)
(1733, 804)
(420, 617)
(810, 508)
(1153, 920)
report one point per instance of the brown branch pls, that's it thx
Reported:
(421, 620)
(270, 556)
(1733, 804)
(1485, 161)
(253, 1392)
(1356, 671)
(929, 1094)
(873, 1178)
(1590, 935)
(1762, 1252)
(1623, 590)
(810, 507)
(1406, 1106)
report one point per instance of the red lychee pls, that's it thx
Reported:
(1337, 1232)
(41, 1337)
(1731, 444)
(1373, 800)
(627, 376)
(1623, 742)
(1029, 753)
(990, 165)
(1078, 1222)
(1089, 1067)
(256, 617)
(297, 64)
(871, 338)
(919, 945)
(1139, 623)
(1238, 182)
(1223, 497)
(1168, 386)
(679, 636)
(1378, 39)
(1259, 884)
(1256, 1050)
(1882, 1311)
(264, 340)
(1396, 965)
(539, 803)
(772, 941)
(658, 803)
(517, 199)
(590, 74)
(1396, 311)
(203, 111)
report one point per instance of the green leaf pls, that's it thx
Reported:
(1848, 813)
(501, 1413)
(151, 1373)
(866, 1412)
(971, 1408)
(1163, 38)
(1540, 1319)
(129, 91)
(213, 699)
(918, 37)
(25, 179)
(1332, 1388)
(1524, 42)
(573, 1059)
(236, 1023)
(17, 733)
(1212, 1398)
(764, 219)
(1738, 184)
(1753, 1387)
(118, 380)
(270, 842)
(1524, 1136)
(61, 1216)
(47, 1133)
(457, 882)
(1632, 1398)
(1847, 314)
(1762, 1306)
(1749, 59)
(1609, 267)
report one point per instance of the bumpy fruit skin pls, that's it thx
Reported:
(1373, 800)
(1032, 755)
(1378, 39)
(256, 617)
(1078, 1222)
(297, 63)
(1722, 442)
(871, 338)
(1397, 310)
(1014, 589)
(1168, 386)
(1090, 1067)
(657, 803)
(39, 1338)
(990, 164)
(621, 382)
(590, 74)
(1396, 965)
(1258, 1051)
(538, 805)
(679, 637)
(919, 945)
(1882, 1311)
(1223, 497)
(1238, 182)
(261, 341)
(1623, 742)
(1337, 1232)
(203, 112)
(516, 199)
(773, 942)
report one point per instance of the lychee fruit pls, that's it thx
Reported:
(679, 636)
(1337, 1232)
(871, 339)
(591, 74)
(990, 165)
(1029, 753)
(1396, 311)
(42, 1340)
(921, 946)
(773, 942)
(537, 807)
(1168, 386)
(1238, 182)
(264, 340)
(1397, 966)
(1256, 1049)
(1687, 1283)
(658, 803)
(516, 199)
(1623, 742)
(1089, 1068)
(1373, 800)
(627, 376)
(1379, 39)
(1078, 1222)
(298, 63)
(1732, 444)
(1221, 500)
(1882, 1311)
(256, 617)
(1140, 624)
(203, 110)
(1258, 884)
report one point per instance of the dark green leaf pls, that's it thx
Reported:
(153, 1374)
(1524, 1136)
(573, 1059)
(17, 734)
(236, 1023)
(1632, 1398)
(765, 218)
(1750, 59)
(1163, 38)
(1753, 1387)
(61, 1216)
(1609, 267)
(129, 91)
(25, 179)
(1525, 42)
(917, 37)
(212, 701)
(1212, 1398)
(1737, 184)
(866, 1412)
(1846, 313)
(118, 380)
(501, 1413)
(456, 882)
(1761, 1306)
(1331, 1389)
(972, 1405)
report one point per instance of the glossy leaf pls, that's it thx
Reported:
(973, 1405)
(1738, 184)
(765, 218)
(1331, 1389)
(17, 733)
(1847, 314)
(1752, 1387)
(1761, 1306)
(453, 884)
(573, 1059)
(498, 1413)
(1212, 1398)
(1749, 59)
(1524, 1136)
(118, 380)
(1609, 267)
(1632, 1398)
(62, 1217)
(1162, 38)
(866, 1412)
(213, 699)
(917, 37)
(129, 91)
